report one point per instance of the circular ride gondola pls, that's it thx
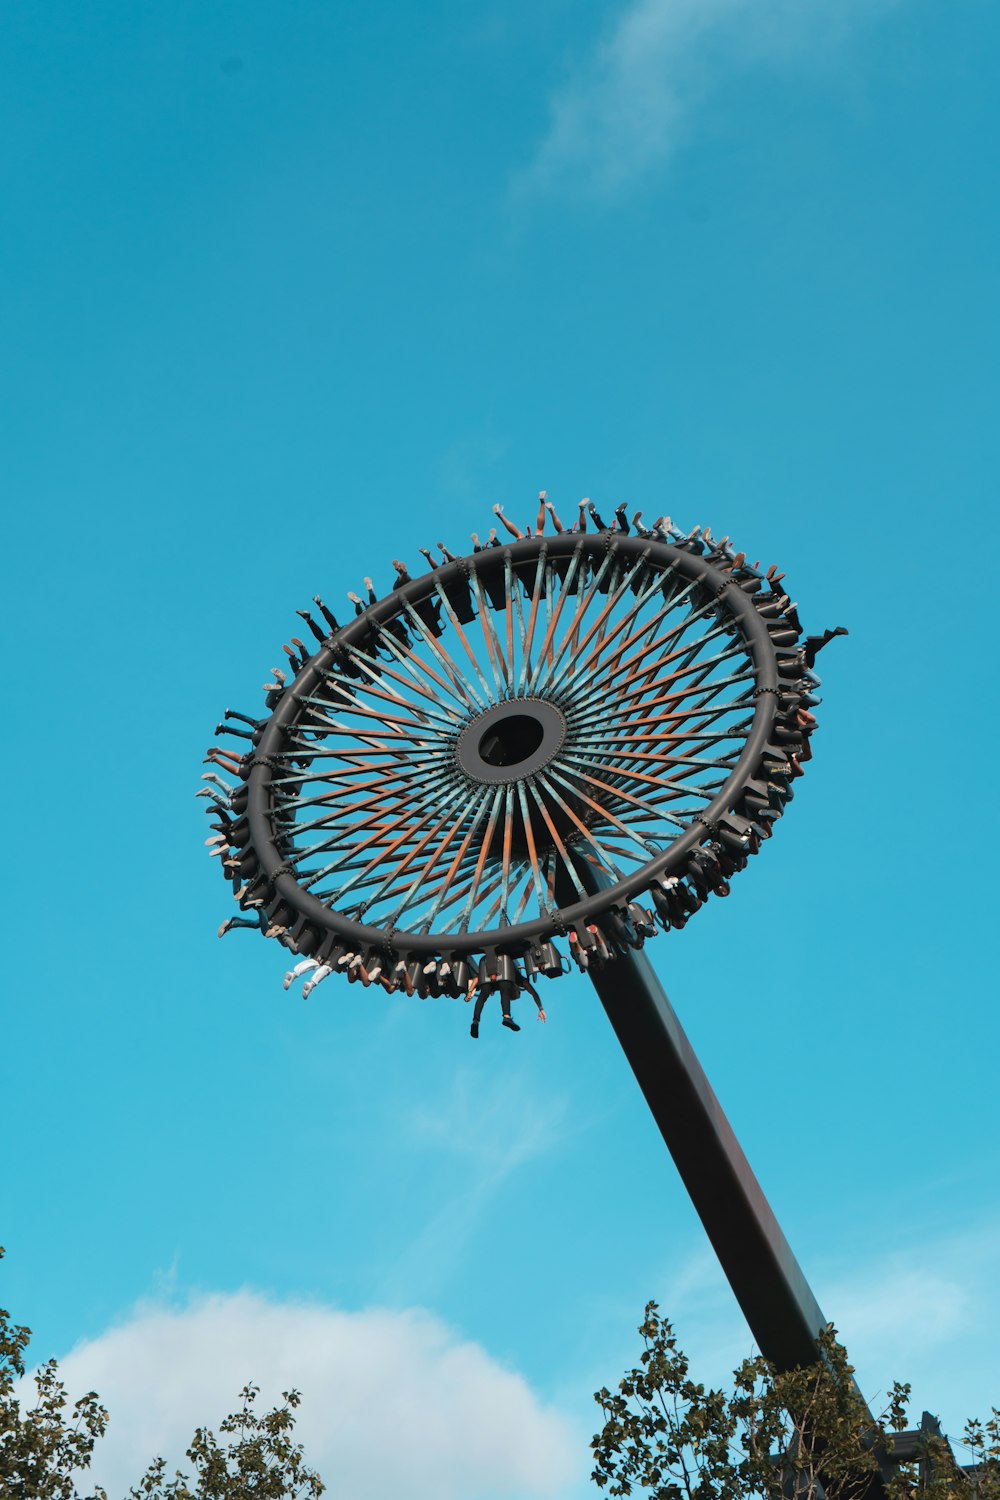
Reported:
(543, 751)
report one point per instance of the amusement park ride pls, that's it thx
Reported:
(534, 756)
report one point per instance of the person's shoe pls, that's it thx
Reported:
(474, 1029)
(510, 1024)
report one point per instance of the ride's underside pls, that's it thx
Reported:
(425, 798)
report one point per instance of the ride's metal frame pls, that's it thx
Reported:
(770, 1287)
(522, 555)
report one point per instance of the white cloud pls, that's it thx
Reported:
(627, 108)
(393, 1402)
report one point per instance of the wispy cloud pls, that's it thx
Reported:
(393, 1402)
(624, 111)
(501, 1125)
(928, 1313)
(498, 1120)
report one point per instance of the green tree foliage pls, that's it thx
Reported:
(982, 1442)
(44, 1447)
(260, 1460)
(774, 1436)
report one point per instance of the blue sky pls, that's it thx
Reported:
(291, 290)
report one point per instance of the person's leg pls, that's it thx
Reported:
(508, 1021)
(477, 1012)
(300, 968)
(314, 979)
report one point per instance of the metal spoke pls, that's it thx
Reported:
(532, 851)
(585, 598)
(541, 578)
(404, 864)
(483, 853)
(455, 825)
(615, 663)
(481, 810)
(377, 837)
(462, 684)
(548, 781)
(456, 626)
(572, 769)
(386, 851)
(595, 711)
(494, 651)
(550, 654)
(425, 717)
(509, 619)
(675, 601)
(628, 668)
(413, 663)
(556, 839)
(553, 614)
(614, 598)
(508, 835)
(411, 681)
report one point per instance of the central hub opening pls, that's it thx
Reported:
(511, 740)
(507, 745)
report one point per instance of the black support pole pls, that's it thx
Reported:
(769, 1285)
(783, 1314)
(767, 1280)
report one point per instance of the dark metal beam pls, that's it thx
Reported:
(783, 1314)
(769, 1285)
(767, 1280)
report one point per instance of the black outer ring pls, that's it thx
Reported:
(471, 763)
(688, 565)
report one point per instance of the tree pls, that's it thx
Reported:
(261, 1461)
(799, 1434)
(43, 1447)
